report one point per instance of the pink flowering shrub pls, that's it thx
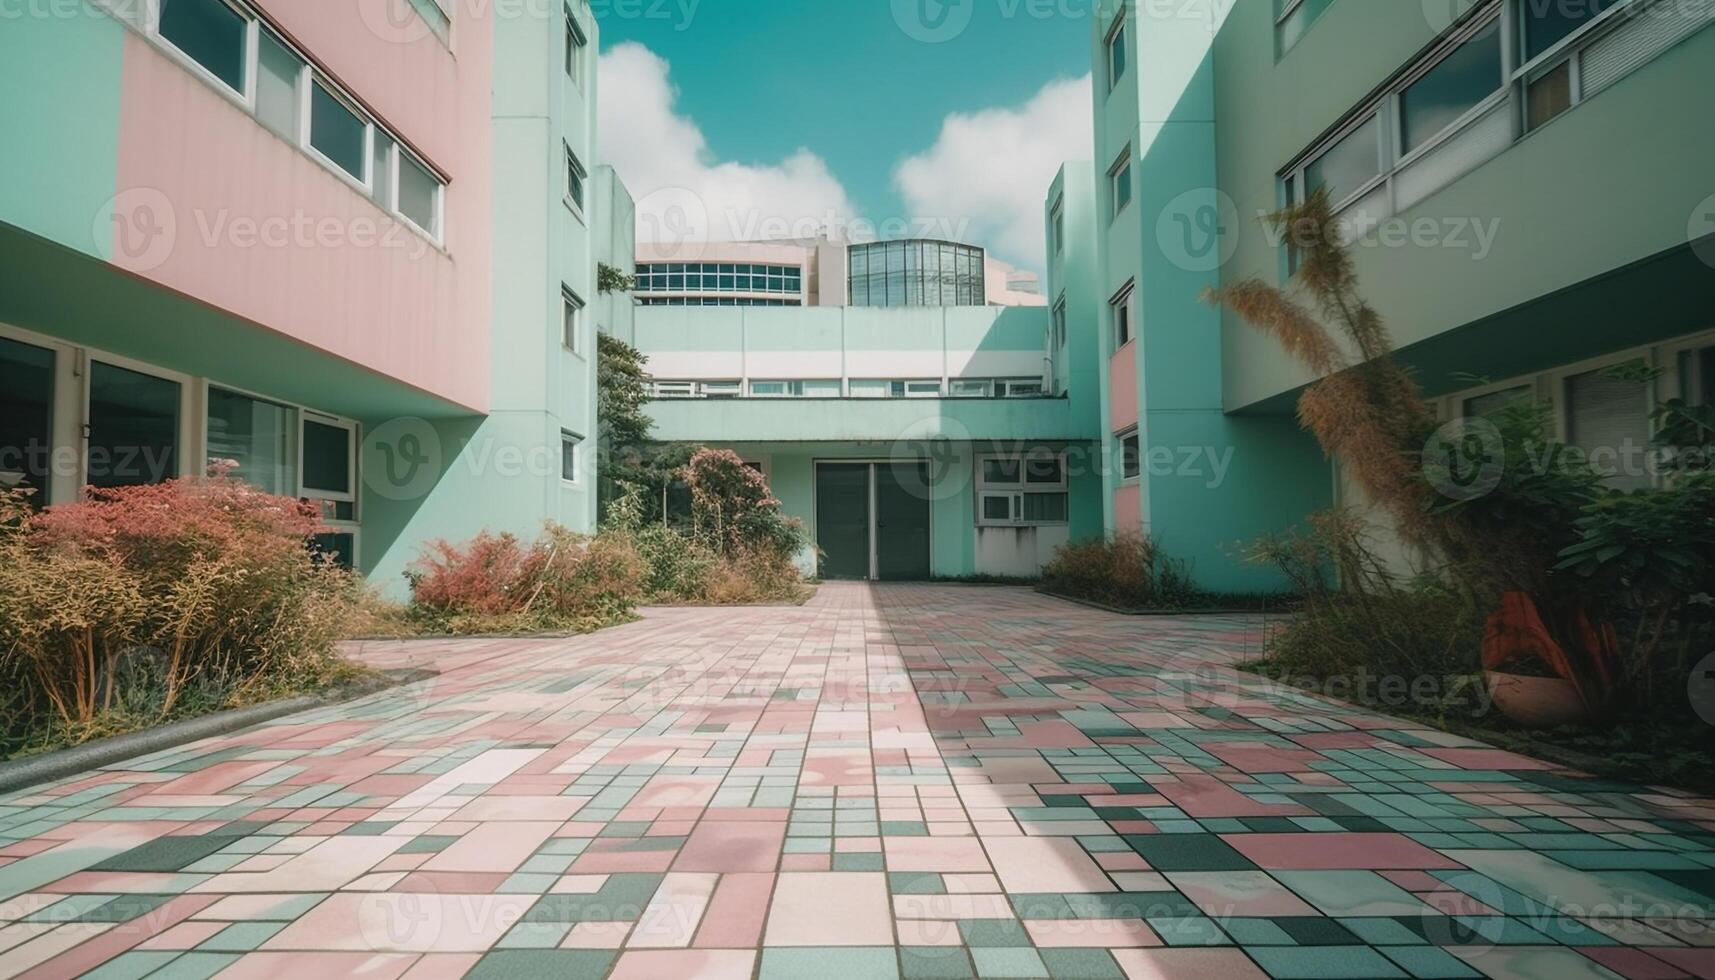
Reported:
(495, 583)
(206, 584)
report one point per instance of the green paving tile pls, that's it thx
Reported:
(241, 937)
(845, 963)
(857, 862)
(427, 844)
(125, 908)
(915, 883)
(195, 966)
(1188, 930)
(1429, 963)
(564, 964)
(935, 963)
(1023, 963)
(1081, 964)
(1188, 852)
(1325, 963)
(131, 966)
(993, 933)
(1308, 931)
(164, 854)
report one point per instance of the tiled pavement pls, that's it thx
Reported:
(902, 781)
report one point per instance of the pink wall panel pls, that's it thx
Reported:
(263, 231)
(1128, 508)
(382, 51)
(1122, 388)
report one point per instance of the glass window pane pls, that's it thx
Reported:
(1545, 24)
(336, 132)
(1452, 88)
(327, 458)
(1348, 164)
(278, 71)
(1000, 472)
(1484, 406)
(133, 427)
(417, 192)
(1045, 469)
(1131, 457)
(255, 434)
(1044, 508)
(26, 417)
(381, 171)
(569, 457)
(1549, 96)
(211, 33)
(997, 508)
(1608, 418)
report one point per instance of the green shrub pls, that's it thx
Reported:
(140, 604)
(1127, 571)
(563, 582)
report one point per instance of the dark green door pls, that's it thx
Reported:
(842, 519)
(902, 521)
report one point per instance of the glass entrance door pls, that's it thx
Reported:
(133, 427)
(872, 521)
(26, 417)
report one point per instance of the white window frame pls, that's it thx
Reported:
(1058, 323)
(720, 390)
(923, 388)
(1004, 388)
(672, 389)
(306, 416)
(366, 182)
(577, 46)
(1120, 439)
(575, 442)
(1016, 491)
(395, 161)
(1122, 301)
(1122, 164)
(571, 321)
(1116, 70)
(296, 435)
(576, 180)
(1057, 224)
(245, 98)
(84, 361)
(984, 388)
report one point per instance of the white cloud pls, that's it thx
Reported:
(991, 169)
(682, 191)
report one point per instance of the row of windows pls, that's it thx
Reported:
(916, 273)
(718, 277)
(1465, 102)
(1015, 491)
(715, 301)
(857, 388)
(132, 431)
(228, 44)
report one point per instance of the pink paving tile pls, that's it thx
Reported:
(1634, 964)
(594, 861)
(1484, 759)
(805, 862)
(404, 923)
(830, 909)
(665, 791)
(1224, 894)
(1700, 963)
(500, 846)
(959, 854)
(324, 867)
(704, 964)
(365, 966)
(185, 935)
(671, 917)
(1045, 864)
(1205, 796)
(1314, 852)
(1176, 964)
(442, 966)
(732, 847)
(558, 809)
(736, 914)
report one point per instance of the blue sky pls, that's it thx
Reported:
(846, 91)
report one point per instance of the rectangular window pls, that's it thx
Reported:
(576, 42)
(1294, 21)
(1021, 388)
(279, 73)
(1447, 92)
(26, 418)
(575, 177)
(256, 435)
(1485, 406)
(1058, 222)
(673, 389)
(970, 389)
(328, 449)
(571, 320)
(922, 389)
(1349, 165)
(133, 427)
(1122, 314)
(1029, 489)
(569, 443)
(719, 389)
(1119, 182)
(1548, 96)
(211, 33)
(1546, 23)
(1059, 327)
(871, 389)
(1608, 418)
(339, 134)
(1116, 51)
(419, 195)
(1697, 376)
(1131, 455)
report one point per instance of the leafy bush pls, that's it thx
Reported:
(1412, 644)
(1128, 571)
(136, 599)
(496, 584)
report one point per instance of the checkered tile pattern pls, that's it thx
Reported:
(899, 781)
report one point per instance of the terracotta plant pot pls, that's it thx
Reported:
(1536, 702)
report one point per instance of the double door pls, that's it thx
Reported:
(872, 521)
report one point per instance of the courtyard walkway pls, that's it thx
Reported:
(912, 781)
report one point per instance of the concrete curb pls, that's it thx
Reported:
(50, 766)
